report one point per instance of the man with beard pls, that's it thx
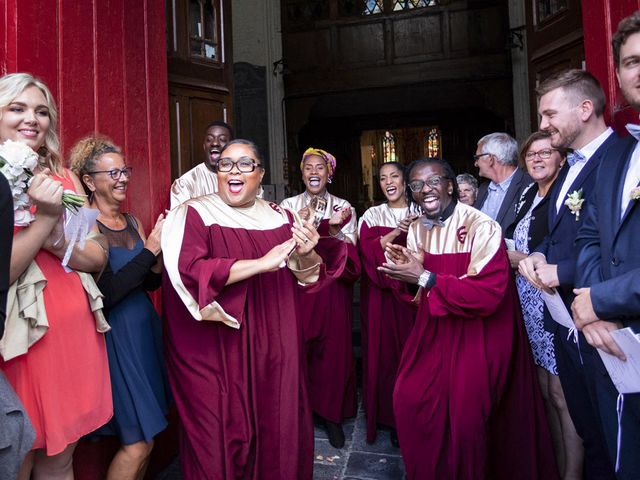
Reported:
(608, 268)
(466, 401)
(201, 180)
(571, 108)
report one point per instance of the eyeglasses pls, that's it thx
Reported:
(543, 154)
(244, 164)
(480, 155)
(115, 173)
(433, 182)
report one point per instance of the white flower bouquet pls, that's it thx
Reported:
(17, 162)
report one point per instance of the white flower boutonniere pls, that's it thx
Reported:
(574, 202)
(635, 194)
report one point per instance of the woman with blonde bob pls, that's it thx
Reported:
(63, 378)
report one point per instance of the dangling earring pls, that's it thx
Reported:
(329, 181)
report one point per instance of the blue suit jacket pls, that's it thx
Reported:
(609, 247)
(559, 245)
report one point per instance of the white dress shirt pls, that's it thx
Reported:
(587, 151)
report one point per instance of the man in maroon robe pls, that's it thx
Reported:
(466, 400)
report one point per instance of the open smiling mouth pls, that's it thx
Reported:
(314, 181)
(214, 153)
(430, 201)
(391, 190)
(235, 186)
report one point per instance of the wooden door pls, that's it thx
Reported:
(200, 75)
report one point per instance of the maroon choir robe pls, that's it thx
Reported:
(386, 320)
(327, 321)
(467, 401)
(234, 352)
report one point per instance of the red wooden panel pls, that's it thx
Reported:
(30, 49)
(109, 70)
(600, 20)
(159, 161)
(76, 71)
(136, 117)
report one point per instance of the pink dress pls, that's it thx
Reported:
(63, 380)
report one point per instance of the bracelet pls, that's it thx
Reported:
(424, 278)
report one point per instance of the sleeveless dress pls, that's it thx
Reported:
(63, 380)
(532, 304)
(134, 344)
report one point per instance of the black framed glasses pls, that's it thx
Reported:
(480, 155)
(115, 173)
(433, 182)
(244, 164)
(544, 154)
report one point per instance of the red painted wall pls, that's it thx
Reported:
(107, 68)
(600, 20)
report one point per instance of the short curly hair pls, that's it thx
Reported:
(86, 153)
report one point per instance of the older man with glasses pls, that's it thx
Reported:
(497, 159)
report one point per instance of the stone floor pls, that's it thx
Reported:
(356, 461)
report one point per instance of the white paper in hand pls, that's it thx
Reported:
(557, 309)
(624, 375)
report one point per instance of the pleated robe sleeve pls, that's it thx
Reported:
(480, 290)
(372, 255)
(198, 276)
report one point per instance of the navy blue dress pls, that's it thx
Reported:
(134, 343)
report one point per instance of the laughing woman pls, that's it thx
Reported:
(134, 344)
(386, 321)
(327, 314)
(233, 345)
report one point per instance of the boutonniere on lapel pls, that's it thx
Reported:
(635, 194)
(574, 202)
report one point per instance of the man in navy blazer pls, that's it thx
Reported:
(608, 268)
(497, 159)
(571, 108)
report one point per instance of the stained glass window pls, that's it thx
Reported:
(409, 4)
(389, 147)
(371, 7)
(203, 36)
(432, 143)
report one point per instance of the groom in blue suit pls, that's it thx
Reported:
(608, 268)
(571, 108)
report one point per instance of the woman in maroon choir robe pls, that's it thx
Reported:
(466, 400)
(386, 321)
(234, 339)
(327, 315)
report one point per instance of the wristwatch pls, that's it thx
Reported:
(424, 278)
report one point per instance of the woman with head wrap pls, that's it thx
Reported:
(327, 314)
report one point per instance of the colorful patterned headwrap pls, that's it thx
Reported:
(330, 159)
